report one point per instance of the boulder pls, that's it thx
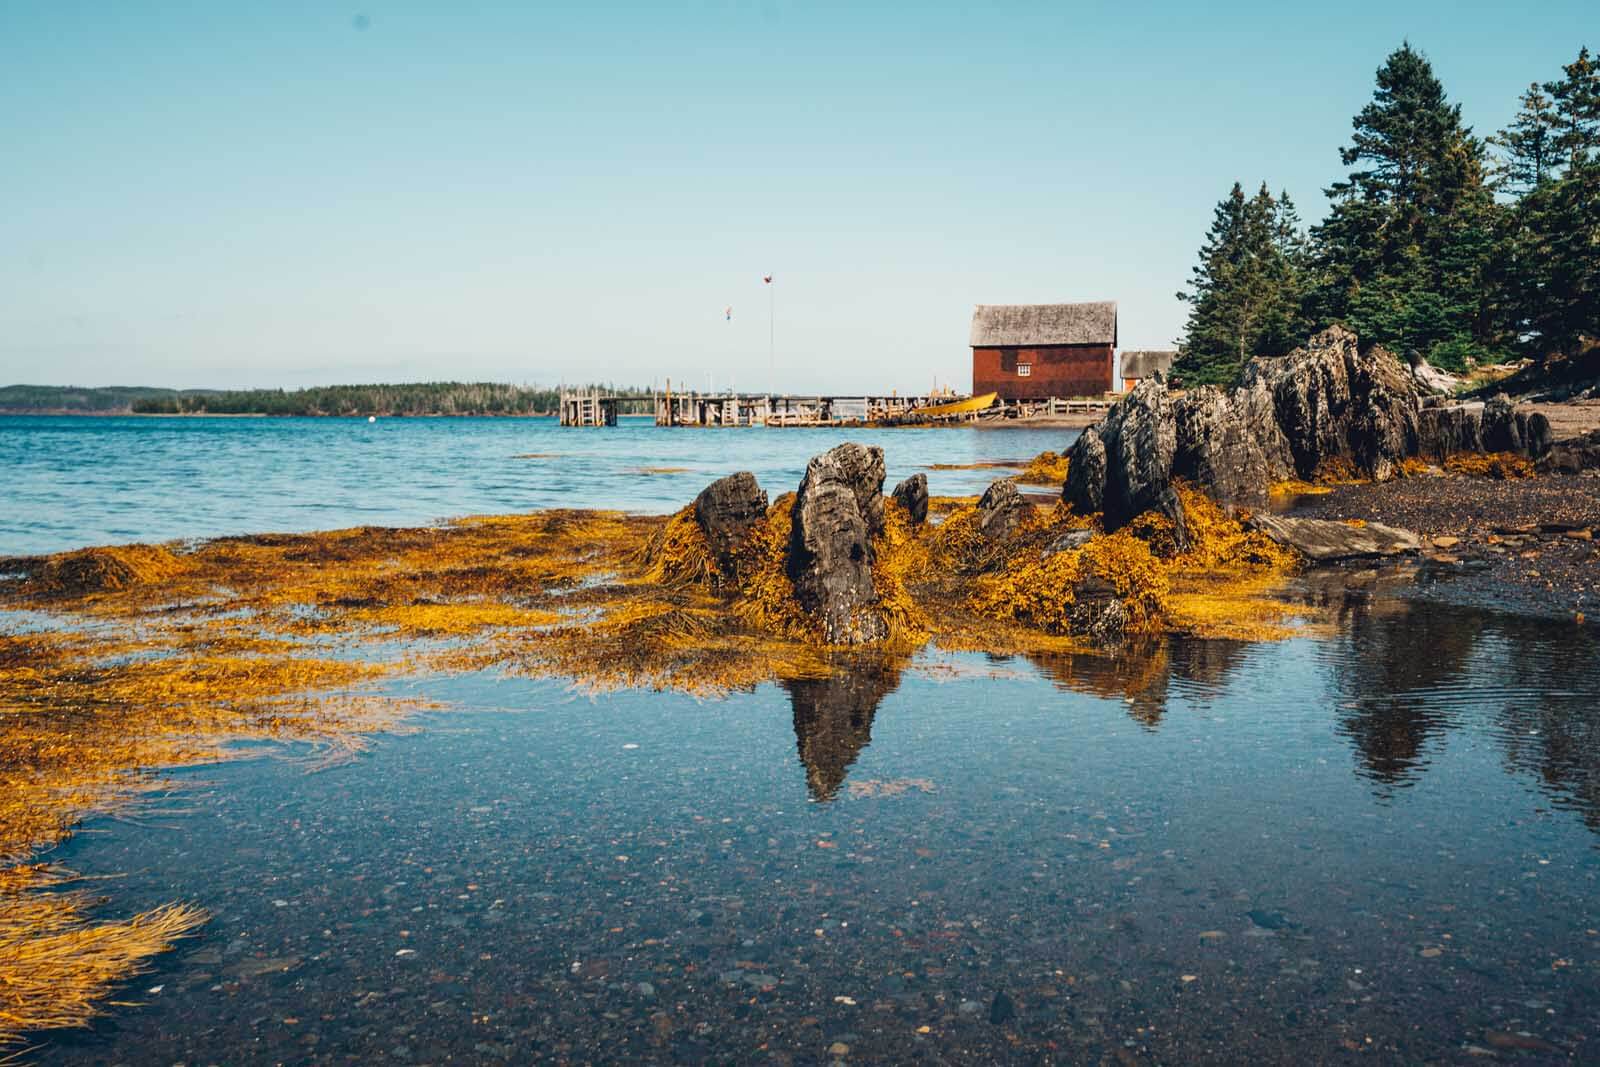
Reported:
(1097, 612)
(1502, 432)
(836, 513)
(1442, 431)
(1000, 509)
(1326, 403)
(1086, 473)
(727, 510)
(1327, 541)
(1572, 456)
(912, 495)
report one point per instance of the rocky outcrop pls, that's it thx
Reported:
(1326, 541)
(836, 514)
(912, 494)
(1000, 509)
(1326, 405)
(727, 511)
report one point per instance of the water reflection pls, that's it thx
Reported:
(833, 717)
(1402, 677)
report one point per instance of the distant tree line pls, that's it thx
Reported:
(424, 398)
(24, 398)
(1438, 244)
(420, 398)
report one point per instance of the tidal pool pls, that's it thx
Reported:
(1380, 842)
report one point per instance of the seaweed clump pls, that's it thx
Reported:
(1047, 468)
(1501, 466)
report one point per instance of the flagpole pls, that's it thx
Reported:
(772, 350)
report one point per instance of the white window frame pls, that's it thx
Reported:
(1024, 370)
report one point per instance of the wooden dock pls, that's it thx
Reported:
(593, 408)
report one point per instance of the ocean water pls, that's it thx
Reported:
(68, 482)
(1378, 846)
(1379, 843)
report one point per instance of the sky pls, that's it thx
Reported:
(281, 194)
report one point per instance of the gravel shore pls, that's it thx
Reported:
(1524, 545)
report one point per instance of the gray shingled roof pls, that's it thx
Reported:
(1142, 364)
(996, 325)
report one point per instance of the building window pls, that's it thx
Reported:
(1024, 369)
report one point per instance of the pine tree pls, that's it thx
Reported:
(1245, 292)
(1527, 146)
(1551, 243)
(1406, 250)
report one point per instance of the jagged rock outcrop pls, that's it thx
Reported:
(1000, 509)
(728, 510)
(836, 514)
(1327, 541)
(913, 496)
(1327, 404)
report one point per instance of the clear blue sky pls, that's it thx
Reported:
(232, 194)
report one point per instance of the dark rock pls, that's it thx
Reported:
(1002, 1010)
(1000, 509)
(1572, 456)
(1086, 475)
(1538, 436)
(1230, 443)
(1326, 402)
(1325, 541)
(1068, 541)
(1501, 432)
(1138, 438)
(1097, 611)
(838, 510)
(913, 496)
(727, 510)
(1442, 430)
(1172, 507)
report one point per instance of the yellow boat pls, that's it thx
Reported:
(956, 407)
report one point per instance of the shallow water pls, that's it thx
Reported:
(1381, 842)
(68, 482)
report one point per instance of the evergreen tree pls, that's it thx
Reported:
(1407, 250)
(1552, 243)
(1245, 292)
(1527, 146)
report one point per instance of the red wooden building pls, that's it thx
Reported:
(1038, 351)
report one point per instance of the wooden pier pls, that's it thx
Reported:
(593, 408)
(588, 407)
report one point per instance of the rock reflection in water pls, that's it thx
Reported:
(1409, 675)
(833, 717)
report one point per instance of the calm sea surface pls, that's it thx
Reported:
(69, 482)
(1378, 845)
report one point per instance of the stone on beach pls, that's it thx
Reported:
(1000, 509)
(837, 512)
(1574, 455)
(728, 510)
(912, 495)
(1327, 541)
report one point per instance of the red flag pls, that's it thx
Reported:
(767, 278)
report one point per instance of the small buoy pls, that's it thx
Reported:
(372, 418)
